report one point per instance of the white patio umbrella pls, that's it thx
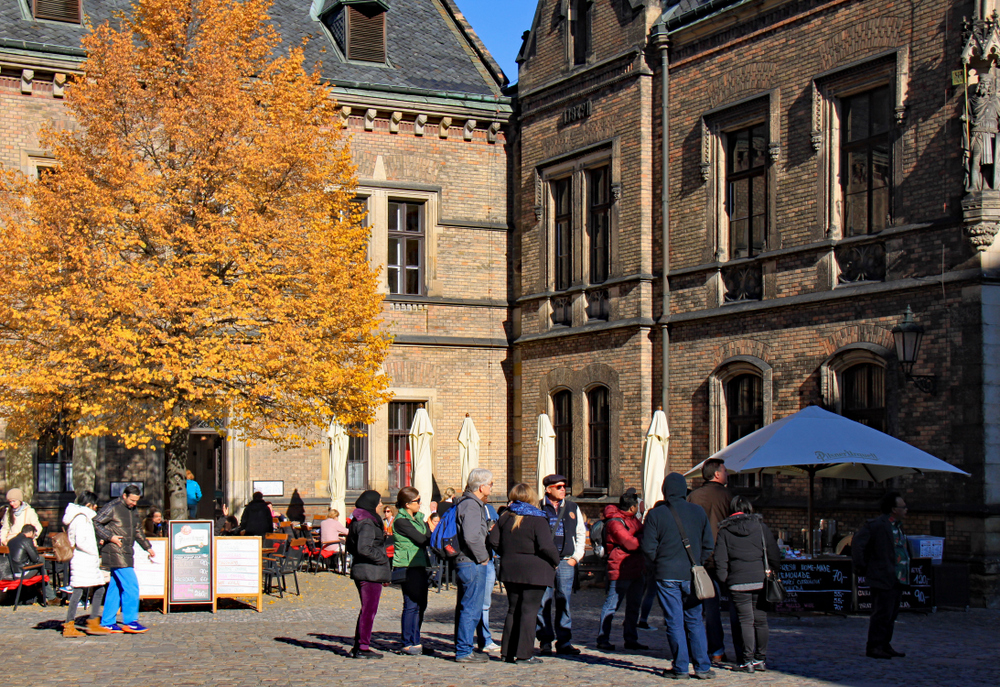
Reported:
(338, 468)
(546, 464)
(468, 448)
(654, 458)
(815, 442)
(421, 432)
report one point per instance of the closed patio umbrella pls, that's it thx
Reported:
(546, 464)
(654, 459)
(338, 468)
(468, 448)
(421, 432)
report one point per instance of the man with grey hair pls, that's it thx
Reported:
(472, 521)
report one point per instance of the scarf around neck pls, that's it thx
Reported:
(522, 508)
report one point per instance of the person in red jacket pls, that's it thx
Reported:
(623, 533)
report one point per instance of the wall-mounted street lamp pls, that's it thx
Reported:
(907, 336)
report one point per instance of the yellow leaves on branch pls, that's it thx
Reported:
(196, 256)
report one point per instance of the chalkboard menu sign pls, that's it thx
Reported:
(819, 584)
(917, 596)
(191, 562)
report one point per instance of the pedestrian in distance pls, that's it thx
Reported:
(412, 535)
(716, 499)
(16, 515)
(740, 551)
(569, 533)
(528, 559)
(880, 555)
(193, 495)
(85, 574)
(472, 522)
(371, 569)
(664, 546)
(622, 538)
(117, 524)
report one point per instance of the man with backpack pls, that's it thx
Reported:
(569, 532)
(623, 548)
(472, 530)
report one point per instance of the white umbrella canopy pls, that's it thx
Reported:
(654, 458)
(421, 432)
(546, 464)
(468, 448)
(338, 468)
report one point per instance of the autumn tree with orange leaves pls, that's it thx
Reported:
(196, 256)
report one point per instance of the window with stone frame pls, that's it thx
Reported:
(562, 202)
(599, 222)
(741, 400)
(405, 258)
(401, 415)
(599, 437)
(744, 415)
(54, 461)
(866, 160)
(562, 424)
(357, 458)
(746, 190)
(580, 21)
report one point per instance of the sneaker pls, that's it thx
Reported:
(707, 675)
(670, 673)
(568, 650)
(605, 646)
(635, 646)
(68, 589)
(643, 625)
(492, 648)
(759, 665)
(533, 661)
(747, 667)
(114, 628)
(134, 628)
(472, 658)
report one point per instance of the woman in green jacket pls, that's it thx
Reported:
(411, 537)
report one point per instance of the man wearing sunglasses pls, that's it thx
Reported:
(569, 531)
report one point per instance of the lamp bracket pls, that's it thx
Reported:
(926, 383)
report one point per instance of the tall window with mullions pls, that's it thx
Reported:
(746, 190)
(405, 268)
(599, 223)
(400, 462)
(357, 459)
(600, 437)
(54, 461)
(866, 160)
(744, 415)
(562, 199)
(562, 424)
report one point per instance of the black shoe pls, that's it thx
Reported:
(364, 653)
(568, 650)
(546, 649)
(669, 673)
(643, 625)
(635, 646)
(606, 646)
(878, 653)
(892, 652)
(707, 675)
(533, 661)
(472, 658)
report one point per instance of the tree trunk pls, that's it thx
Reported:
(176, 454)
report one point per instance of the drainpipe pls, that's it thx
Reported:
(661, 41)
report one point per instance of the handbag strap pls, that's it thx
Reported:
(680, 528)
(763, 546)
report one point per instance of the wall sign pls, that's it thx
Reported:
(191, 549)
(270, 487)
(576, 113)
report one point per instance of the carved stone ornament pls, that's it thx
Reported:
(981, 211)
(491, 133)
(706, 171)
(774, 150)
(418, 125)
(743, 283)
(616, 191)
(981, 235)
(816, 138)
(370, 119)
(859, 263)
(394, 121)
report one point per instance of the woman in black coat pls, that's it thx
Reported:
(370, 567)
(528, 559)
(739, 562)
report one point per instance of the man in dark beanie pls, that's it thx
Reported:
(370, 569)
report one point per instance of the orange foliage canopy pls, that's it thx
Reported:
(196, 255)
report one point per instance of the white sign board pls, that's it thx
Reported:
(152, 574)
(238, 566)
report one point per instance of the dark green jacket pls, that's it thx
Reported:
(410, 538)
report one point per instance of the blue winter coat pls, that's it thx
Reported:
(194, 492)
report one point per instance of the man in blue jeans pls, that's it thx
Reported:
(664, 547)
(118, 525)
(569, 532)
(472, 521)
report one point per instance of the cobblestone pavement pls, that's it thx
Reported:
(304, 641)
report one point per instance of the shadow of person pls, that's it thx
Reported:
(296, 508)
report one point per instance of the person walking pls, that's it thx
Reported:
(569, 533)
(528, 559)
(16, 515)
(716, 499)
(193, 496)
(370, 570)
(880, 554)
(664, 546)
(412, 535)
(744, 541)
(119, 527)
(623, 533)
(472, 521)
(85, 572)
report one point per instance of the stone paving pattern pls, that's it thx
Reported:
(304, 641)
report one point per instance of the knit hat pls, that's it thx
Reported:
(15, 494)
(369, 501)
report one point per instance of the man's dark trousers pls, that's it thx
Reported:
(885, 608)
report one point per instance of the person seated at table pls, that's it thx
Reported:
(16, 515)
(256, 521)
(153, 525)
(331, 534)
(23, 553)
(232, 525)
(276, 514)
(221, 513)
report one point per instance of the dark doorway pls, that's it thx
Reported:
(206, 459)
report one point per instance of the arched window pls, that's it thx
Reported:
(862, 394)
(562, 423)
(744, 406)
(740, 397)
(599, 449)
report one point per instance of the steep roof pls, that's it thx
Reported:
(430, 45)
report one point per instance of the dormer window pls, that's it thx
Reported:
(70, 11)
(358, 28)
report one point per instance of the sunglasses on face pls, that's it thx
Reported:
(558, 486)
(416, 500)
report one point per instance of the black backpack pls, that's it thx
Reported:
(599, 537)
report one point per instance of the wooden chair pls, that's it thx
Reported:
(278, 542)
(30, 576)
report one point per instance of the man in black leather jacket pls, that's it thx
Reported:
(119, 526)
(23, 551)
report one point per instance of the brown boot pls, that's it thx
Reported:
(69, 630)
(94, 627)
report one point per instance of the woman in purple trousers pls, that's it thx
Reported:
(370, 568)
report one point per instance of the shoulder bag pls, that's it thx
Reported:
(774, 588)
(701, 583)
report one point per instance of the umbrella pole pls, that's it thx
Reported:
(809, 510)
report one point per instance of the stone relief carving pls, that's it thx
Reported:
(981, 144)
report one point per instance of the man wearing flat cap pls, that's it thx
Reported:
(569, 531)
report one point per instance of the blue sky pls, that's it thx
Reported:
(500, 24)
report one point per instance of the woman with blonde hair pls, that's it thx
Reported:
(528, 560)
